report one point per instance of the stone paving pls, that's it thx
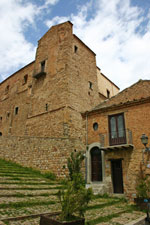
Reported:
(23, 198)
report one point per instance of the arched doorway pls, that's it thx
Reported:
(96, 164)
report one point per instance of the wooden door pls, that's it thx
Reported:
(96, 164)
(117, 176)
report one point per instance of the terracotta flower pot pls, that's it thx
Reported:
(52, 220)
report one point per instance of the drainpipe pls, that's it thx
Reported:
(86, 146)
(86, 130)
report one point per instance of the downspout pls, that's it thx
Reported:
(86, 131)
(86, 137)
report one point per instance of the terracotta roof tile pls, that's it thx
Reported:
(139, 90)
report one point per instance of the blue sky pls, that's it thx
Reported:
(118, 31)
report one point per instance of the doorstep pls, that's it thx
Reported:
(117, 195)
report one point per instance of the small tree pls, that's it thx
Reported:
(75, 198)
(74, 163)
(143, 184)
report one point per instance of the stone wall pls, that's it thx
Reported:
(46, 154)
(17, 95)
(106, 87)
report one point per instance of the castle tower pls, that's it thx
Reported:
(41, 104)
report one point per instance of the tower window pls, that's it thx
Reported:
(90, 85)
(8, 114)
(46, 107)
(25, 79)
(108, 93)
(7, 89)
(16, 110)
(75, 49)
(0, 133)
(43, 66)
(1, 118)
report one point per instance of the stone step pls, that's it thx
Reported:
(97, 188)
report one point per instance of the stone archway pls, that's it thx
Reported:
(95, 156)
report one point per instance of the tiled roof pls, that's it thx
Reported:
(134, 93)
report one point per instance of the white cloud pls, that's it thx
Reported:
(56, 20)
(16, 16)
(15, 49)
(79, 19)
(47, 4)
(113, 32)
(51, 2)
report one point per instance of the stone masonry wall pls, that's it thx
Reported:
(17, 95)
(46, 154)
(82, 77)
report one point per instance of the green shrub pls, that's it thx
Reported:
(74, 201)
(143, 184)
(50, 175)
(143, 188)
(75, 198)
(74, 163)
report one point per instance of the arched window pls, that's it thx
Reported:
(0, 133)
(96, 164)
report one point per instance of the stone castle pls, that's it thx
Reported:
(41, 104)
(61, 102)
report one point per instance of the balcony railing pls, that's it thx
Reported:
(122, 137)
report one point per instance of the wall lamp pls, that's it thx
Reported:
(144, 140)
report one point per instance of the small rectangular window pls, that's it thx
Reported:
(46, 107)
(8, 114)
(16, 110)
(43, 66)
(90, 85)
(25, 79)
(7, 89)
(108, 93)
(75, 49)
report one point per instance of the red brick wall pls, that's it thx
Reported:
(137, 120)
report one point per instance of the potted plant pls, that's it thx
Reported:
(74, 198)
(143, 189)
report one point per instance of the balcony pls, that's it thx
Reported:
(38, 75)
(116, 140)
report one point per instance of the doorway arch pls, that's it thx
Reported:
(88, 162)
